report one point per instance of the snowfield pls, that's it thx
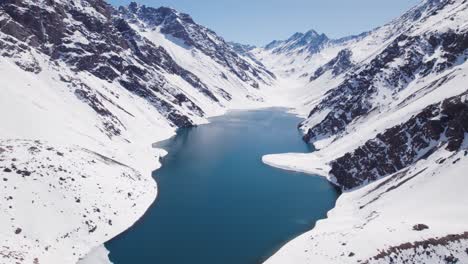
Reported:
(58, 202)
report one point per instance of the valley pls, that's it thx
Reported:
(88, 88)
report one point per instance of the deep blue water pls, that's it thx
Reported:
(218, 203)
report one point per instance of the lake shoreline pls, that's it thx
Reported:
(121, 237)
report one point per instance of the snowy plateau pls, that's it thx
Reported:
(86, 89)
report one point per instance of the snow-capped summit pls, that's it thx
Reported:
(299, 56)
(310, 41)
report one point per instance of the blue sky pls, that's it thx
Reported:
(261, 21)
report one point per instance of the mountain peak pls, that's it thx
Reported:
(155, 16)
(310, 40)
(133, 6)
(311, 33)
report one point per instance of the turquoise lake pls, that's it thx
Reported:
(218, 203)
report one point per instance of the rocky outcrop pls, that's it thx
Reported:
(443, 124)
(425, 250)
(341, 63)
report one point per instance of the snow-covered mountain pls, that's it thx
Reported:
(299, 56)
(310, 42)
(167, 23)
(388, 112)
(86, 89)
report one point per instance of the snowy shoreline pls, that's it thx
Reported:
(100, 254)
(294, 162)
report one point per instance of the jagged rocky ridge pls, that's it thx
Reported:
(310, 41)
(182, 26)
(98, 55)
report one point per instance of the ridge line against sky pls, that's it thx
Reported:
(259, 22)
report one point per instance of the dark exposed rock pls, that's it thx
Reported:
(341, 63)
(110, 122)
(426, 244)
(420, 227)
(451, 259)
(18, 230)
(404, 144)
(24, 173)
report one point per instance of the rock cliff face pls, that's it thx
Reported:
(338, 65)
(439, 125)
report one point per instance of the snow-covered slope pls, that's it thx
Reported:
(417, 215)
(58, 202)
(391, 130)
